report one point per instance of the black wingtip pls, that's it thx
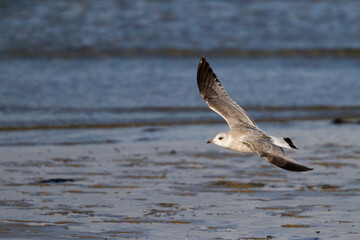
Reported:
(295, 167)
(202, 59)
(205, 74)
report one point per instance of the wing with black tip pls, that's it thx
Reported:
(217, 98)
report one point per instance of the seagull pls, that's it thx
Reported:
(244, 135)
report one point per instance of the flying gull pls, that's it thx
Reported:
(244, 134)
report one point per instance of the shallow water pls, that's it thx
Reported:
(161, 183)
(113, 92)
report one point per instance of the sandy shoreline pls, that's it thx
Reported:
(168, 183)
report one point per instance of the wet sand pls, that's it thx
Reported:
(167, 183)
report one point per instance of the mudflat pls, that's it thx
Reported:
(166, 182)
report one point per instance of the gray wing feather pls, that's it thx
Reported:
(217, 98)
(275, 155)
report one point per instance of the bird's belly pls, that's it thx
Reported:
(240, 147)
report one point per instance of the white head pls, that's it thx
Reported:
(221, 139)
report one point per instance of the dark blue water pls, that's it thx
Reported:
(64, 92)
(117, 63)
(59, 26)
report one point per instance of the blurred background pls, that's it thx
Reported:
(71, 64)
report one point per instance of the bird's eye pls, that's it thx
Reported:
(220, 138)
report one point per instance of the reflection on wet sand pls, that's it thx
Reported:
(181, 189)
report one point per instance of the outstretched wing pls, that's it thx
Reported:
(285, 162)
(275, 155)
(217, 98)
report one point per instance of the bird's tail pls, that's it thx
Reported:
(284, 142)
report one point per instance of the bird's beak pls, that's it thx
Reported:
(210, 141)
